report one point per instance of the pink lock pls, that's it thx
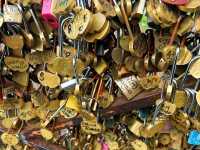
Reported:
(176, 2)
(104, 146)
(47, 14)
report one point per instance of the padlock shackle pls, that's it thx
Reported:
(109, 83)
(23, 17)
(35, 20)
(174, 91)
(196, 48)
(174, 65)
(74, 62)
(60, 33)
(126, 19)
(81, 3)
(188, 97)
(192, 93)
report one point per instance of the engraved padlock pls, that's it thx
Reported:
(48, 15)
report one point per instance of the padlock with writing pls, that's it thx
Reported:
(12, 13)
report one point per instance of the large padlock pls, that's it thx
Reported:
(47, 14)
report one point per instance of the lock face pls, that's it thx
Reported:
(47, 14)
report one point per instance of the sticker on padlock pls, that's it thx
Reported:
(47, 14)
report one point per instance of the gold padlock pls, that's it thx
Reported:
(101, 66)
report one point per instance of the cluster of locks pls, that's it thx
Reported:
(100, 74)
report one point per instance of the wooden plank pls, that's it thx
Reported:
(122, 105)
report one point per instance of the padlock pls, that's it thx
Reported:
(107, 96)
(118, 11)
(12, 13)
(129, 86)
(118, 52)
(190, 6)
(47, 14)
(14, 41)
(101, 66)
(127, 26)
(168, 93)
(158, 12)
(169, 51)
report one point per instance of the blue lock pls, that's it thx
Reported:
(194, 137)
